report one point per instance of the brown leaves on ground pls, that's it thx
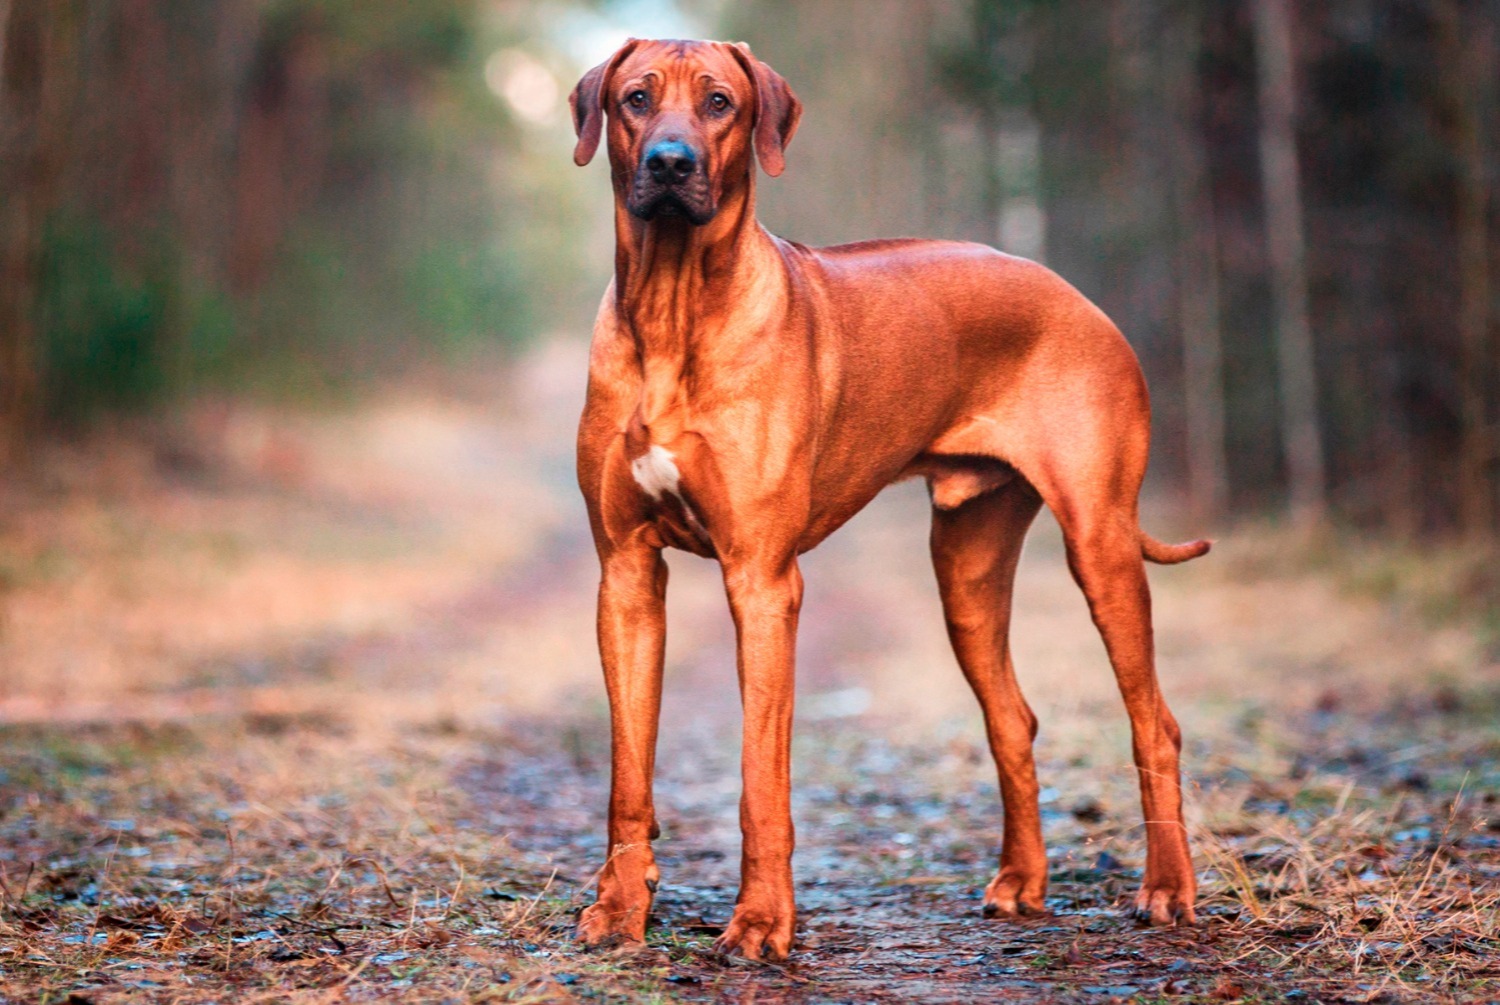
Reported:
(225, 865)
(336, 735)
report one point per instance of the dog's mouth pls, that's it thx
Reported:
(650, 201)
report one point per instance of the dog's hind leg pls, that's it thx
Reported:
(1090, 484)
(975, 548)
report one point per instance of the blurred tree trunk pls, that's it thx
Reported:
(282, 148)
(988, 30)
(1286, 248)
(1197, 273)
(1466, 57)
(143, 113)
(992, 193)
(21, 44)
(927, 129)
(38, 44)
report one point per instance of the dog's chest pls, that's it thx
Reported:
(671, 488)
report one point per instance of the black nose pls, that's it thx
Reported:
(671, 161)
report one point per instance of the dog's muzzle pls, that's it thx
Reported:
(670, 180)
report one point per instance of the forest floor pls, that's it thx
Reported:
(305, 707)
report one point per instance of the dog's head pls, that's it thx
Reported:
(684, 118)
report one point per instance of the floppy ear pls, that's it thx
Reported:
(777, 111)
(587, 103)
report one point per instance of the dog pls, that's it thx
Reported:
(747, 395)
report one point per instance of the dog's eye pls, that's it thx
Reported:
(718, 102)
(638, 100)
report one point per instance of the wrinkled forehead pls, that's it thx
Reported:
(672, 62)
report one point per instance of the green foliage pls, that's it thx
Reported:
(305, 320)
(334, 195)
(984, 68)
(99, 323)
(466, 293)
(212, 325)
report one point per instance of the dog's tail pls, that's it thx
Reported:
(1170, 554)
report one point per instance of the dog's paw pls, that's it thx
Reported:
(627, 887)
(1013, 895)
(1165, 903)
(608, 924)
(759, 932)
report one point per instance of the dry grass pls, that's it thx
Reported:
(1358, 892)
(305, 709)
(290, 860)
(260, 861)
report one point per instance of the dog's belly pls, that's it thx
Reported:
(679, 492)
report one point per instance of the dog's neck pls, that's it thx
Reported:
(679, 289)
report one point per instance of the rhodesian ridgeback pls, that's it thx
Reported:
(748, 395)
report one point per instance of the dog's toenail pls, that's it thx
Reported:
(651, 885)
(991, 911)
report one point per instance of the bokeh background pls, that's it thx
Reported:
(296, 588)
(1293, 221)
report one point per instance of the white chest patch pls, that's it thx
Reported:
(656, 472)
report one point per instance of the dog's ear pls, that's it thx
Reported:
(777, 111)
(587, 103)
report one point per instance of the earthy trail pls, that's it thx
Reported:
(310, 708)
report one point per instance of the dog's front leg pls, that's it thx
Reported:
(632, 634)
(765, 598)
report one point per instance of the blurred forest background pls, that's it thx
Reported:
(299, 695)
(1289, 208)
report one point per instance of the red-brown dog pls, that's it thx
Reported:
(748, 395)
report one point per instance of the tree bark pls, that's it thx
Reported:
(1467, 61)
(1197, 276)
(21, 81)
(1286, 248)
(988, 30)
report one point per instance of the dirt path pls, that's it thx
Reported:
(337, 675)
